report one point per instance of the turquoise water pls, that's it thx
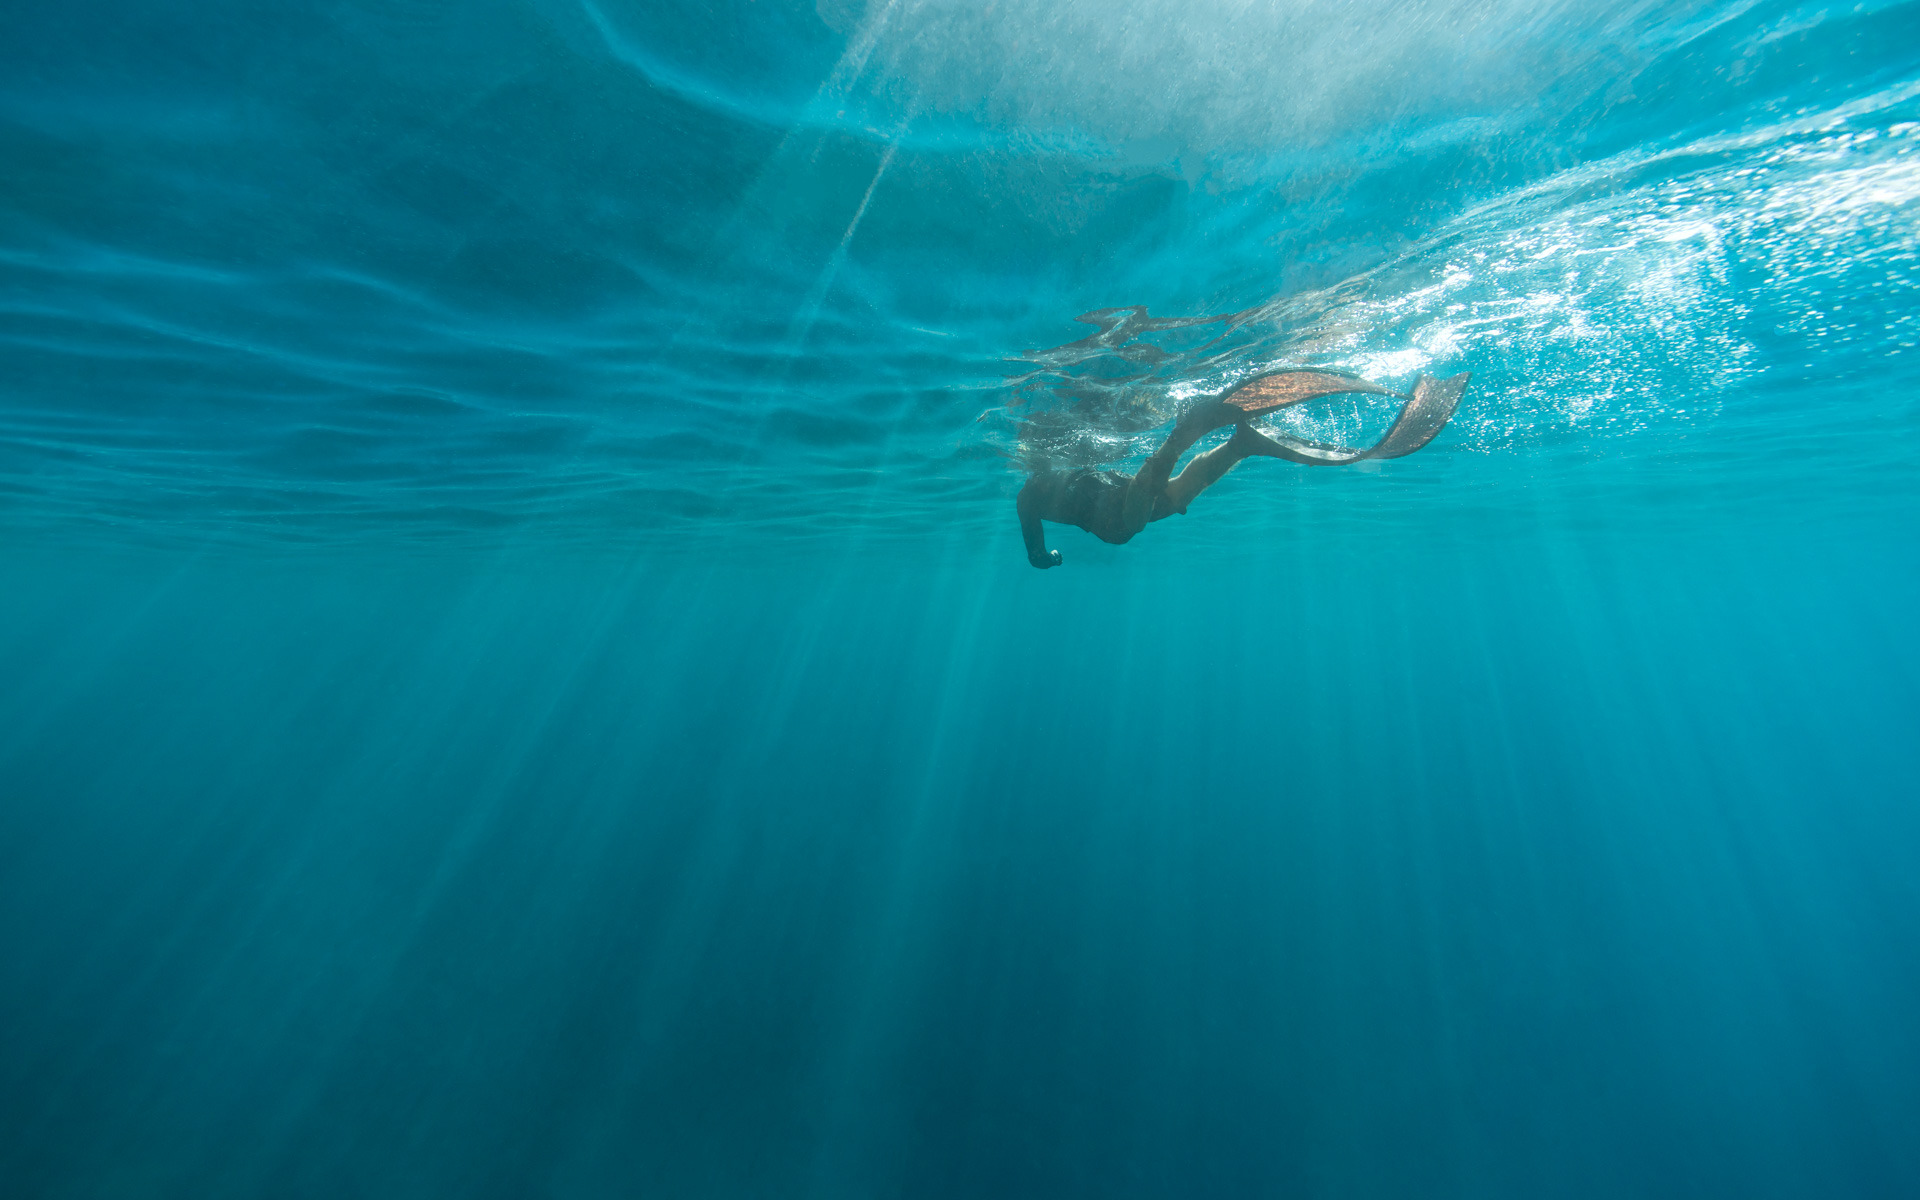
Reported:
(519, 677)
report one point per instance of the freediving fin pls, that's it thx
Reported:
(1268, 392)
(1424, 414)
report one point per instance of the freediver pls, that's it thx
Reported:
(1113, 506)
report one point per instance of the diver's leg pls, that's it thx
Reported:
(1208, 468)
(1149, 487)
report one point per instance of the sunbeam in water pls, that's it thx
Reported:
(520, 673)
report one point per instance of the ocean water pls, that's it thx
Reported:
(519, 676)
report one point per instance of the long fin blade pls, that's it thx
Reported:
(1422, 417)
(1274, 444)
(1281, 388)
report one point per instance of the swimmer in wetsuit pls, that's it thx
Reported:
(1114, 506)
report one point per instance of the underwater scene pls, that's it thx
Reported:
(918, 599)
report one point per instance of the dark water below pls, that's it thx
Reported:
(518, 675)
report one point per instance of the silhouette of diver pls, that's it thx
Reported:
(1114, 506)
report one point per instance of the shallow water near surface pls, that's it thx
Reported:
(518, 673)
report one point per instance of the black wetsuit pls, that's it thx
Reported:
(1093, 500)
(1096, 501)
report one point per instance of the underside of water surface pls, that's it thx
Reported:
(519, 674)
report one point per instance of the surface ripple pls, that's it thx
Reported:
(606, 273)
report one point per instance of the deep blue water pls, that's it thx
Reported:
(519, 678)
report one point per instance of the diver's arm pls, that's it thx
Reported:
(1029, 503)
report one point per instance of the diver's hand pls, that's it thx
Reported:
(1050, 559)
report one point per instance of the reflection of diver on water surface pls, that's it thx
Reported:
(1113, 506)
